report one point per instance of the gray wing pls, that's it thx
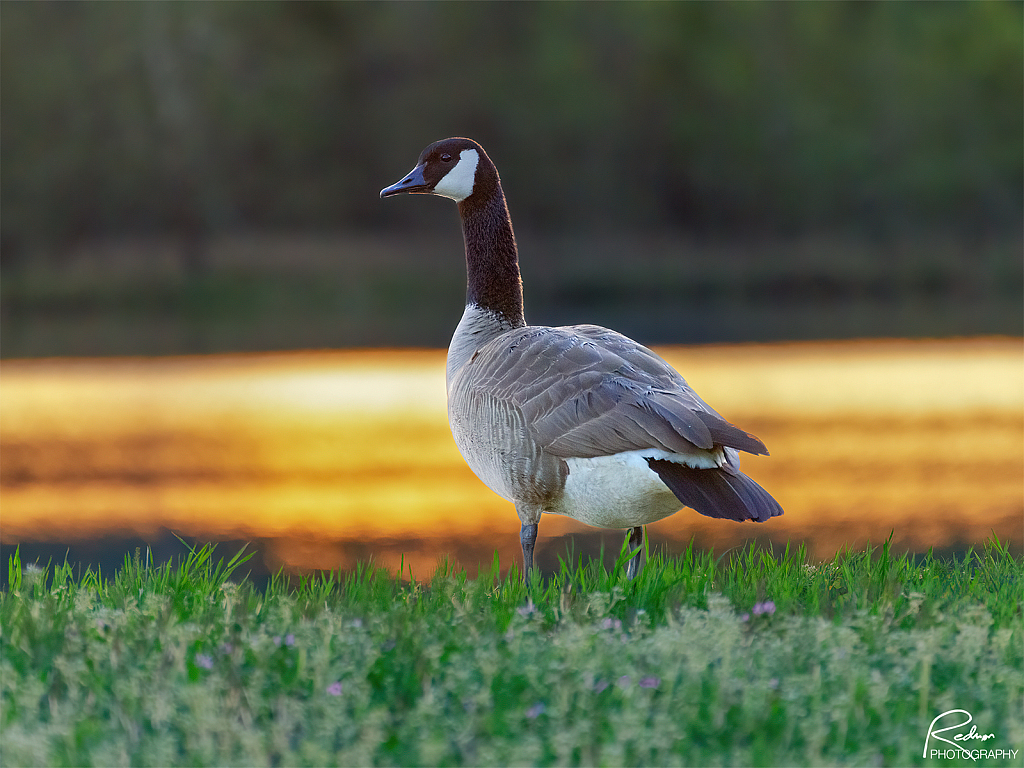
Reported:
(587, 391)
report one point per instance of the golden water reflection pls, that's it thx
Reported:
(330, 457)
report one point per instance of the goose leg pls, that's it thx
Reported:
(528, 537)
(636, 540)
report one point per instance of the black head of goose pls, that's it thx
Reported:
(577, 420)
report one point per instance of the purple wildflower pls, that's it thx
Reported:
(744, 617)
(600, 685)
(767, 607)
(650, 682)
(623, 682)
(289, 639)
(334, 688)
(536, 710)
(204, 661)
(611, 623)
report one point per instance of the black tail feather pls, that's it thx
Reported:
(716, 492)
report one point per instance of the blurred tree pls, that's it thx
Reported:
(719, 118)
(189, 180)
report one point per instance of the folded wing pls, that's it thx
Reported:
(585, 391)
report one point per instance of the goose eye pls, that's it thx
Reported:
(446, 158)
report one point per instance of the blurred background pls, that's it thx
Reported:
(201, 179)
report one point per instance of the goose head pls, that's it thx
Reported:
(454, 168)
(460, 170)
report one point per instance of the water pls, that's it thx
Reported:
(320, 460)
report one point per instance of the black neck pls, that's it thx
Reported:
(492, 260)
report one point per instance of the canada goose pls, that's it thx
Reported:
(577, 420)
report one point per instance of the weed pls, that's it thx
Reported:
(754, 657)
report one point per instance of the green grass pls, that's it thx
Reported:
(750, 658)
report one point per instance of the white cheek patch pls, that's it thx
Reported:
(457, 184)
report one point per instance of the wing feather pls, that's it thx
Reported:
(586, 391)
